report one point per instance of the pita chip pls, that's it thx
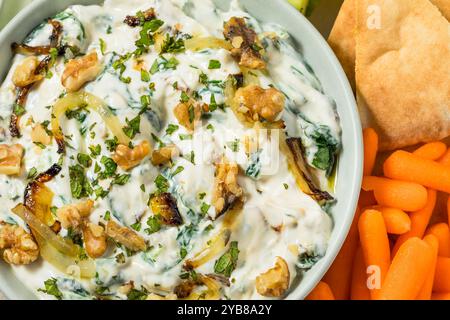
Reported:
(403, 71)
(342, 38)
(444, 6)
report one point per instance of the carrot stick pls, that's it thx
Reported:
(402, 165)
(402, 195)
(440, 296)
(359, 289)
(396, 220)
(427, 288)
(419, 221)
(408, 272)
(374, 243)
(431, 151)
(321, 292)
(442, 233)
(442, 276)
(445, 160)
(339, 275)
(366, 199)
(370, 150)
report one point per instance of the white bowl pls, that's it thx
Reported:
(324, 63)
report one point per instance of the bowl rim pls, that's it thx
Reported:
(353, 189)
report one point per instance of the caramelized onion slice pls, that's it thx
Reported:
(75, 100)
(202, 43)
(292, 149)
(59, 252)
(59, 243)
(216, 245)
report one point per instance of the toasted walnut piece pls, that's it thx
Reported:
(188, 113)
(275, 281)
(128, 158)
(10, 159)
(184, 289)
(258, 104)
(39, 135)
(94, 237)
(226, 188)
(18, 245)
(79, 71)
(170, 296)
(126, 288)
(165, 154)
(125, 236)
(71, 216)
(245, 42)
(25, 72)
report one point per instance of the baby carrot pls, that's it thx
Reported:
(440, 296)
(359, 289)
(419, 221)
(370, 150)
(374, 244)
(442, 233)
(406, 166)
(321, 292)
(408, 271)
(402, 195)
(442, 275)
(427, 288)
(445, 160)
(396, 220)
(339, 275)
(431, 151)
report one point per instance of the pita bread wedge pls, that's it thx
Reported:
(444, 6)
(403, 70)
(342, 38)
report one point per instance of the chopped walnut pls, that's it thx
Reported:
(18, 246)
(164, 155)
(188, 113)
(79, 71)
(39, 135)
(275, 281)
(226, 188)
(128, 158)
(71, 216)
(25, 72)
(258, 104)
(245, 42)
(94, 237)
(125, 236)
(10, 159)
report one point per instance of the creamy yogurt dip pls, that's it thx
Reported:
(146, 71)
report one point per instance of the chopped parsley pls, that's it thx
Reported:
(162, 184)
(133, 127)
(79, 183)
(214, 64)
(172, 45)
(227, 262)
(51, 288)
(154, 225)
(171, 128)
(84, 160)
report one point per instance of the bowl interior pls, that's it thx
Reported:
(324, 63)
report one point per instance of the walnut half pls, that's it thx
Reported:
(79, 71)
(10, 159)
(19, 246)
(275, 281)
